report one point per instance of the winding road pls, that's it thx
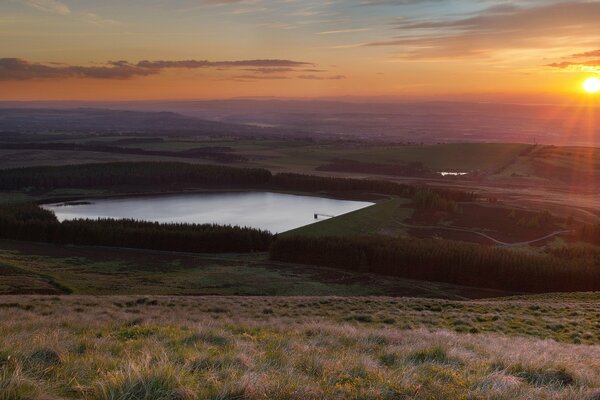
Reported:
(496, 241)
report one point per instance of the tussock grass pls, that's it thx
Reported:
(14, 385)
(174, 348)
(146, 380)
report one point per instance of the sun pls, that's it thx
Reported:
(591, 85)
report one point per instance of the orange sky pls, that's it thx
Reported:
(198, 49)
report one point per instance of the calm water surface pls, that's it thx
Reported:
(275, 212)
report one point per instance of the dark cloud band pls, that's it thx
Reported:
(19, 69)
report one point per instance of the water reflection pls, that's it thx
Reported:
(275, 212)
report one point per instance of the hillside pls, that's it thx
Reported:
(99, 120)
(139, 347)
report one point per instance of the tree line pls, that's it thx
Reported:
(173, 175)
(32, 223)
(139, 174)
(443, 261)
(589, 233)
(414, 168)
(313, 183)
(217, 154)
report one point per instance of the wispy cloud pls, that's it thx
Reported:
(395, 2)
(95, 19)
(265, 70)
(577, 62)
(547, 25)
(593, 53)
(343, 31)
(51, 6)
(321, 78)
(259, 77)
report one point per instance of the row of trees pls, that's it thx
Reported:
(431, 199)
(219, 154)
(409, 169)
(313, 183)
(589, 233)
(444, 261)
(172, 175)
(30, 222)
(165, 174)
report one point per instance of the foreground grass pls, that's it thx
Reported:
(132, 347)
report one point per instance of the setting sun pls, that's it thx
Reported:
(591, 85)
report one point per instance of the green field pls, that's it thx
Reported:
(384, 217)
(446, 157)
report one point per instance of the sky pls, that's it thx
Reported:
(532, 50)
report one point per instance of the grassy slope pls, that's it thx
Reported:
(29, 268)
(296, 348)
(382, 217)
(444, 157)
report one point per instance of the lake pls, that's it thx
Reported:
(275, 212)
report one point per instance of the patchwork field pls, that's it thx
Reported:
(296, 155)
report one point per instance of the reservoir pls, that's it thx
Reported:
(275, 212)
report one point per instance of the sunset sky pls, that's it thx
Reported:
(198, 49)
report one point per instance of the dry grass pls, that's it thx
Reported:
(170, 348)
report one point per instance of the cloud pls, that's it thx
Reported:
(265, 70)
(220, 64)
(247, 78)
(593, 53)
(587, 66)
(321, 78)
(544, 26)
(577, 64)
(51, 6)
(395, 2)
(343, 31)
(19, 69)
(95, 19)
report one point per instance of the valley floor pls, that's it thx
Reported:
(219, 347)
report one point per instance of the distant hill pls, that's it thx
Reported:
(416, 122)
(98, 120)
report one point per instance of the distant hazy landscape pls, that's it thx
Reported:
(397, 121)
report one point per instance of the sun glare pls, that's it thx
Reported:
(591, 85)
